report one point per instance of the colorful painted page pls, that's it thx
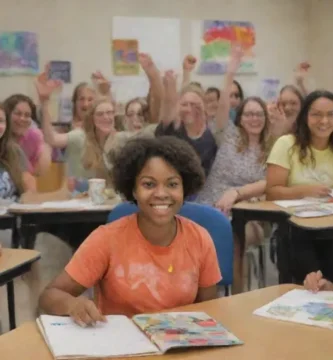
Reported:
(301, 306)
(184, 329)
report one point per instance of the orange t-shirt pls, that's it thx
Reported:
(132, 276)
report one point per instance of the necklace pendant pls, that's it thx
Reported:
(170, 269)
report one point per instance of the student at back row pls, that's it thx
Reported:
(301, 165)
(150, 261)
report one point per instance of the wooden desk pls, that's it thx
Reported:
(264, 338)
(14, 263)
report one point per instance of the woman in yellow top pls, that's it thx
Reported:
(301, 165)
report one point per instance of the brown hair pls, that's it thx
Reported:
(265, 141)
(10, 155)
(143, 104)
(11, 102)
(93, 151)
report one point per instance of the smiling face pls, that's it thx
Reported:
(134, 119)
(20, 118)
(84, 101)
(290, 104)
(211, 103)
(103, 118)
(253, 118)
(159, 191)
(320, 118)
(189, 104)
(3, 123)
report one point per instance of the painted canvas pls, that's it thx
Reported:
(218, 37)
(301, 306)
(125, 57)
(18, 53)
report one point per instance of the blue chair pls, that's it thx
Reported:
(217, 224)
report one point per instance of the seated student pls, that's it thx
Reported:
(316, 282)
(14, 176)
(21, 111)
(299, 166)
(149, 261)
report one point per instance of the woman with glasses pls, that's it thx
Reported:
(238, 172)
(301, 165)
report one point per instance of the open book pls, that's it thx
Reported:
(307, 208)
(301, 306)
(148, 334)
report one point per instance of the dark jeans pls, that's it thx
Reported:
(304, 254)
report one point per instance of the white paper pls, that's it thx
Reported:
(301, 306)
(118, 337)
(292, 203)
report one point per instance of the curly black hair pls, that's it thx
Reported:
(130, 160)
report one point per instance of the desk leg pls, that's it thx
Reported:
(238, 225)
(11, 305)
(284, 254)
(15, 237)
(29, 234)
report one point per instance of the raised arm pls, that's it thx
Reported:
(168, 113)
(189, 63)
(156, 89)
(44, 89)
(301, 72)
(222, 114)
(102, 84)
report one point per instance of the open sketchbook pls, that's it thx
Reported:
(301, 306)
(149, 334)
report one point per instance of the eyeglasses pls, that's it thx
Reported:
(320, 116)
(21, 114)
(101, 113)
(132, 115)
(251, 114)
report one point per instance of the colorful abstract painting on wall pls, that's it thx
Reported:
(217, 40)
(125, 57)
(18, 53)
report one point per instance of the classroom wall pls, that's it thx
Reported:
(80, 31)
(320, 39)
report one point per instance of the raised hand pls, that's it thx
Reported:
(84, 312)
(170, 84)
(189, 63)
(236, 57)
(146, 62)
(102, 83)
(276, 113)
(45, 86)
(301, 71)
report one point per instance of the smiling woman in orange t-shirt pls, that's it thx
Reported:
(149, 261)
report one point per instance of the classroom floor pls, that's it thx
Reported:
(55, 255)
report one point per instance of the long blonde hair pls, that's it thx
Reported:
(93, 151)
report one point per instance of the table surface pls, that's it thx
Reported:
(13, 258)
(258, 206)
(323, 222)
(264, 338)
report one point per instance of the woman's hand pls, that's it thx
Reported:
(146, 63)
(189, 63)
(84, 312)
(45, 86)
(315, 282)
(301, 71)
(102, 83)
(227, 201)
(316, 191)
(237, 54)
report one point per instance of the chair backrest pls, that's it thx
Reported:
(213, 220)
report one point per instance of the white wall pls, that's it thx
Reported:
(80, 31)
(320, 39)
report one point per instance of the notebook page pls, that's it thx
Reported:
(184, 329)
(118, 337)
(301, 306)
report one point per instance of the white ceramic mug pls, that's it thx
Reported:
(96, 191)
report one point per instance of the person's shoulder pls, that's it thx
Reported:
(198, 234)
(76, 136)
(117, 229)
(33, 134)
(285, 140)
